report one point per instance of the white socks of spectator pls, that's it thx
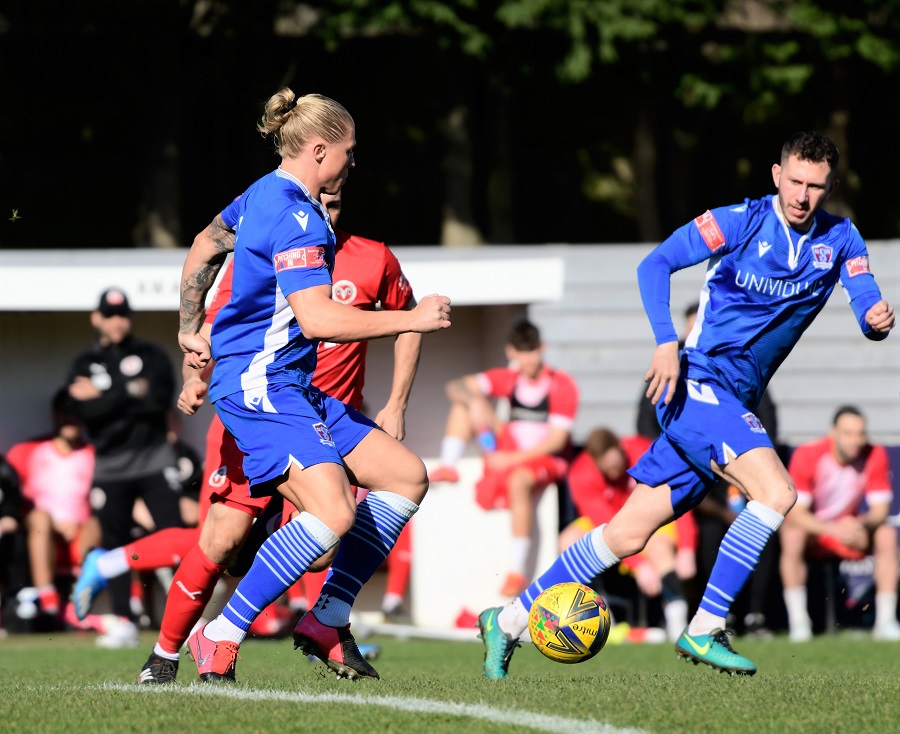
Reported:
(452, 450)
(676, 615)
(795, 603)
(885, 609)
(391, 603)
(520, 550)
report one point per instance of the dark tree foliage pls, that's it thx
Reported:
(521, 121)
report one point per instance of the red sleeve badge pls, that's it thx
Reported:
(300, 257)
(709, 230)
(858, 266)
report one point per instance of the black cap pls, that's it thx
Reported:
(114, 302)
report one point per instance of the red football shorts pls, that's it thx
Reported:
(490, 491)
(827, 546)
(223, 475)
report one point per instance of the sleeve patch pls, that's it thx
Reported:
(300, 257)
(709, 230)
(858, 266)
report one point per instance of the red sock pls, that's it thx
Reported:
(313, 581)
(192, 587)
(162, 549)
(399, 562)
(48, 599)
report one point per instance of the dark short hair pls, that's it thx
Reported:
(599, 441)
(524, 336)
(62, 401)
(812, 146)
(846, 410)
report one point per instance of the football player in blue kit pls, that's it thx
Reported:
(773, 263)
(296, 439)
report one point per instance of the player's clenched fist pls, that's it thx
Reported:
(431, 314)
(196, 350)
(191, 397)
(880, 317)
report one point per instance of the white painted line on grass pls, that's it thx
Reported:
(526, 719)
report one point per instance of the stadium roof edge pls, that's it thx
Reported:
(72, 280)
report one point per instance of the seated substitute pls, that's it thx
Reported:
(843, 501)
(56, 472)
(599, 485)
(522, 456)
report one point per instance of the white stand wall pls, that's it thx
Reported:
(461, 552)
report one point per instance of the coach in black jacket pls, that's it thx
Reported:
(123, 388)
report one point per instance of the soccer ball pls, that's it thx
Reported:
(569, 623)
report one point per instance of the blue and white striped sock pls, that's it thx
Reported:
(738, 556)
(280, 561)
(379, 519)
(581, 562)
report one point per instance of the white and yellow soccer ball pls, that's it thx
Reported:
(569, 623)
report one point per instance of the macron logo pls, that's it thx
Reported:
(302, 219)
(764, 247)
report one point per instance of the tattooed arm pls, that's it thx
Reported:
(201, 267)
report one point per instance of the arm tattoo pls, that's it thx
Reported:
(193, 295)
(221, 234)
(196, 285)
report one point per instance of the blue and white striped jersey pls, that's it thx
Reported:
(764, 285)
(284, 244)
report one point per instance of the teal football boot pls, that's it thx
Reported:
(498, 646)
(715, 651)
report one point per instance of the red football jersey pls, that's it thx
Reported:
(832, 490)
(535, 405)
(57, 483)
(366, 275)
(598, 499)
(593, 495)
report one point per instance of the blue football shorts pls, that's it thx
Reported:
(303, 426)
(703, 423)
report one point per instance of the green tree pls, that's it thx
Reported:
(752, 56)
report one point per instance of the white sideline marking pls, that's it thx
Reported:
(526, 719)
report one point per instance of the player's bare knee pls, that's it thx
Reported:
(623, 540)
(340, 520)
(411, 483)
(778, 494)
(221, 548)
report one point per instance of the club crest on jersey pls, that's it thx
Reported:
(344, 291)
(218, 477)
(755, 423)
(858, 266)
(324, 434)
(300, 257)
(709, 230)
(131, 365)
(822, 256)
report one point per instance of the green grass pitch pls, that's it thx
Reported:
(64, 683)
